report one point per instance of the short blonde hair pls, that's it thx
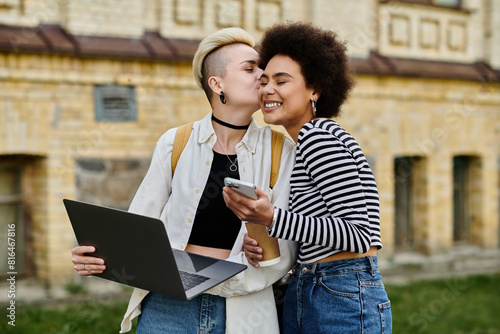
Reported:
(212, 43)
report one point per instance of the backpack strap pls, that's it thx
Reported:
(181, 138)
(277, 141)
(184, 132)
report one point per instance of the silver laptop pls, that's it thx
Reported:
(137, 252)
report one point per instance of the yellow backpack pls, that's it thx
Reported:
(184, 132)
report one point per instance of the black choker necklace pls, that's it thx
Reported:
(236, 127)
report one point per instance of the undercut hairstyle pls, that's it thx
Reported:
(209, 60)
(321, 57)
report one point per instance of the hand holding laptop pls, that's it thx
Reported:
(84, 264)
(137, 252)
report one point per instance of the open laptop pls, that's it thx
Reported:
(137, 252)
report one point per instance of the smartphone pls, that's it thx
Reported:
(241, 187)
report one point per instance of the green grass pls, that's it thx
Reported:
(454, 305)
(74, 318)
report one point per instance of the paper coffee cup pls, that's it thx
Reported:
(270, 247)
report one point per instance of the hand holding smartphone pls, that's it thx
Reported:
(258, 232)
(243, 188)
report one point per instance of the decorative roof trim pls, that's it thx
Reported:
(377, 64)
(53, 39)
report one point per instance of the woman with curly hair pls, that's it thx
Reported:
(336, 286)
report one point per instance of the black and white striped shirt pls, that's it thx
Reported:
(334, 204)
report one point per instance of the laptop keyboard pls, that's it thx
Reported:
(191, 280)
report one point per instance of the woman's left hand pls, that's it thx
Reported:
(259, 211)
(252, 251)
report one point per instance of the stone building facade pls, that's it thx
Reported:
(88, 86)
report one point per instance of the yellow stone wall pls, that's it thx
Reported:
(50, 114)
(435, 120)
(47, 106)
(47, 110)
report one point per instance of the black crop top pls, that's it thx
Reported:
(215, 225)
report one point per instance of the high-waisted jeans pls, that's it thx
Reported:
(345, 296)
(203, 314)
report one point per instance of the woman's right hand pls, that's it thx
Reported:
(252, 250)
(86, 265)
(259, 211)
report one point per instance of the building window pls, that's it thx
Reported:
(410, 202)
(11, 219)
(468, 196)
(443, 3)
(109, 182)
(11, 4)
(448, 3)
(462, 217)
(115, 103)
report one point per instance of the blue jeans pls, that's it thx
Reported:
(345, 296)
(203, 314)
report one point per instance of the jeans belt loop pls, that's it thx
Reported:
(372, 265)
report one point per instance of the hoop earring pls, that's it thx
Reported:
(222, 97)
(313, 103)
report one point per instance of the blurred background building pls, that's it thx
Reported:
(88, 86)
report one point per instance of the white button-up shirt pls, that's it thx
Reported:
(250, 305)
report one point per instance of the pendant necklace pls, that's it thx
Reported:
(234, 166)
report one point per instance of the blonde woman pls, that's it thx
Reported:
(227, 142)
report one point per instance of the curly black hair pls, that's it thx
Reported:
(322, 59)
